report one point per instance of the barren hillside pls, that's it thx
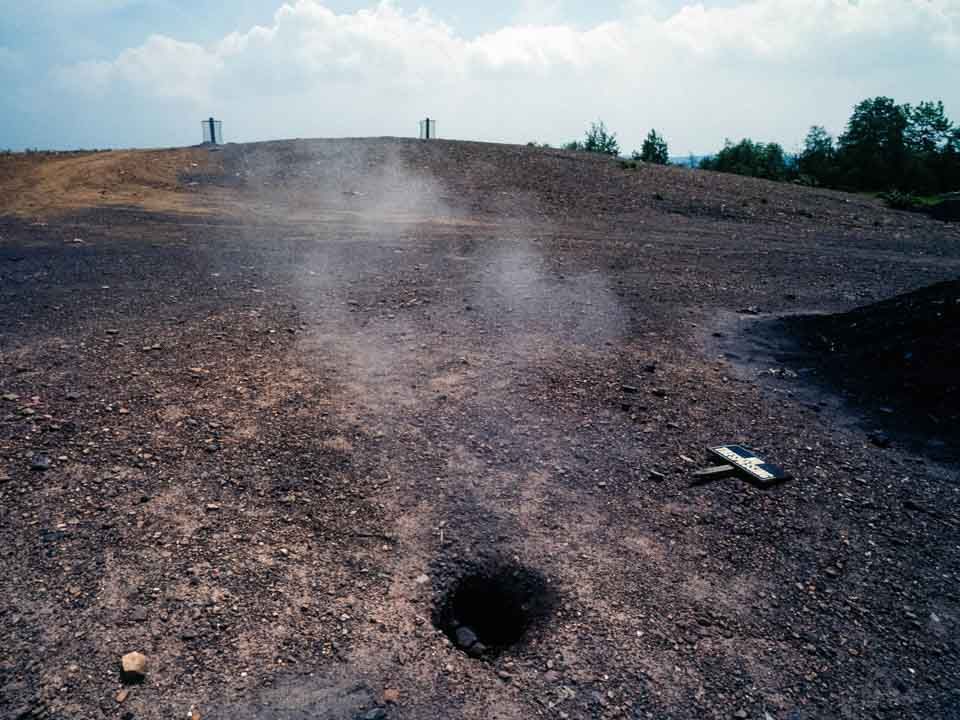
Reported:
(391, 429)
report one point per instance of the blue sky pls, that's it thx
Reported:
(124, 73)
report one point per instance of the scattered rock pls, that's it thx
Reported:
(477, 650)
(374, 714)
(465, 637)
(134, 666)
(40, 463)
(880, 439)
(122, 694)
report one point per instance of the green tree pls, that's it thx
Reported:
(872, 149)
(951, 162)
(654, 149)
(818, 159)
(928, 129)
(599, 140)
(751, 158)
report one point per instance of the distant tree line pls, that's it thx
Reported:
(598, 139)
(762, 160)
(885, 146)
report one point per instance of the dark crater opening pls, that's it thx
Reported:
(486, 610)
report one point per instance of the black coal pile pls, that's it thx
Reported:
(899, 357)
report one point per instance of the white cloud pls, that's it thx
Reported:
(160, 68)
(767, 68)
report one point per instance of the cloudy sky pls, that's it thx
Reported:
(123, 73)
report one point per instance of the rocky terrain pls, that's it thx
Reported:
(396, 429)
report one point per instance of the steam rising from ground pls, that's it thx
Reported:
(378, 319)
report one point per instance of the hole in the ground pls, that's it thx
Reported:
(486, 611)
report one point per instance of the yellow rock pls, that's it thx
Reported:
(134, 664)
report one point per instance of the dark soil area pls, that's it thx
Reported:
(269, 443)
(897, 358)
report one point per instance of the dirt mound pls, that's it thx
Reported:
(899, 355)
(376, 180)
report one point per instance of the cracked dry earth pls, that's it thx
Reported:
(280, 430)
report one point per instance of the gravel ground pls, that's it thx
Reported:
(268, 442)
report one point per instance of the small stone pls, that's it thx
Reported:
(421, 579)
(880, 439)
(465, 637)
(504, 675)
(478, 649)
(391, 695)
(375, 714)
(134, 665)
(741, 714)
(657, 476)
(40, 463)
(194, 714)
(631, 389)
(122, 694)
(10, 397)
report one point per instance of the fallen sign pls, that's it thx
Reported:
(744, 460)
